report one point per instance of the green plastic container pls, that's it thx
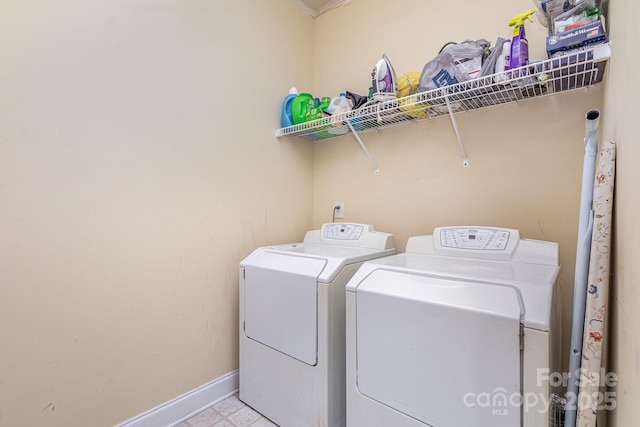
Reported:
(305, 109)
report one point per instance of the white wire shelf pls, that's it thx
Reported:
(562, 74)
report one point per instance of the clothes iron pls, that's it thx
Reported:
(383, 80)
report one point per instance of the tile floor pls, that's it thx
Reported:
(230, 412)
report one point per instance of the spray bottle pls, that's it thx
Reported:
(519, 44)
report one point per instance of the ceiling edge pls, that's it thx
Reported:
(332, 5)
(306, 9)
(315, 13)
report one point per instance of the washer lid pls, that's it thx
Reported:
(535, 282)
(434, 349)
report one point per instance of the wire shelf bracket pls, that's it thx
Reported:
(376, 167)
(465, 159)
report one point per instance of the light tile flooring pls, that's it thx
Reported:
(230, 412)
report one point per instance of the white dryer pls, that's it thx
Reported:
(461, 330)
(292, 331)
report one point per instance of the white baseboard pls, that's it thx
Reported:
(183, 407)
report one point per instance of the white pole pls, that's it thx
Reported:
(583, 252)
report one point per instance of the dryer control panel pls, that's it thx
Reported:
(342, 231)
(350, 234)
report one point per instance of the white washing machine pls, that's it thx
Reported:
(461, 330)
(292, 331)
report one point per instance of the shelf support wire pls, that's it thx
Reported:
(465, 160)
(364, 148)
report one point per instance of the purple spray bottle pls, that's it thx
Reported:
(519, 43)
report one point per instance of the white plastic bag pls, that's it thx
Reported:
(441, 71)
(467, 57)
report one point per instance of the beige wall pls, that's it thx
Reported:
(621, 125)
(138, 166)
(525, 159)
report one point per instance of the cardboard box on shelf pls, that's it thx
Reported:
(578, 39)
(579, 54)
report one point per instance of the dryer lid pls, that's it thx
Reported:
(281, 305)
(337, 244)
(335, 258)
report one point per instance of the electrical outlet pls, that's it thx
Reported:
(339, 213)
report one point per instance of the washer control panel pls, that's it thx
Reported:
(476, 242)
(343, 231)
(492, 239)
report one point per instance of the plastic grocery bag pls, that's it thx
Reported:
(441, 71)
(468, 56)
(454, 64)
